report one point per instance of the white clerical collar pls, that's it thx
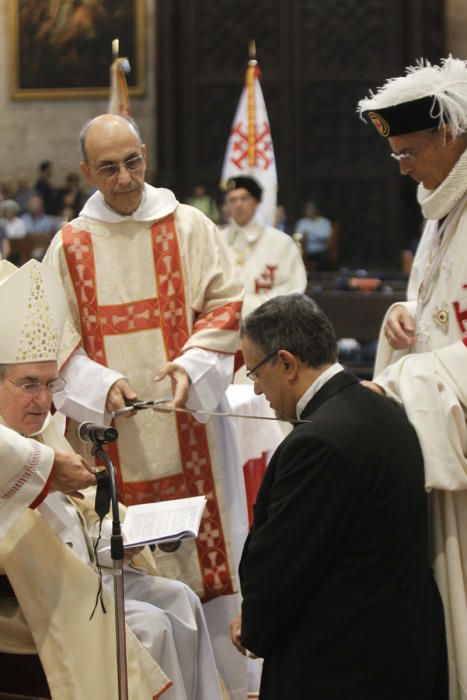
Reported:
(155, 204)
(247, 234)
(316, 386)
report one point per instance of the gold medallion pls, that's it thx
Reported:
(441, 316)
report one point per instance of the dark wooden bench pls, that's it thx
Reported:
(22, 675)
(356, 315)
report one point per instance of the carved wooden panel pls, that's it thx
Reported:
(318, 58)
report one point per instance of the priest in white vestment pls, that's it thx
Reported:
(151, 293)
(422, 352)
(47, 557)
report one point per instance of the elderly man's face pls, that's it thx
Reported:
(425, 156)
(115, 143)
(241, 206)
(23, 409)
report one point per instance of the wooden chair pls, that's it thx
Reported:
(19, 251)
(22, 675)
(38, 244)
(32, 245)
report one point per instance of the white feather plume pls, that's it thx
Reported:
(446, 82)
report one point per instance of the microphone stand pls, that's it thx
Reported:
(116, 552)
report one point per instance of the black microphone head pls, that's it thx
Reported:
(98, 434)
(110, 434)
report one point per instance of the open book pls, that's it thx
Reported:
(148, 523)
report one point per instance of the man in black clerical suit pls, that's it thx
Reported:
(338, 597)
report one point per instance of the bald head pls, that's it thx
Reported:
(106, 123)
(114, 160)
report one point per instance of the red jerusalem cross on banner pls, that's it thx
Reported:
(249, 148)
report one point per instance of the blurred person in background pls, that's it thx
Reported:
(316, 231)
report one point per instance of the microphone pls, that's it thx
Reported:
(92, 432)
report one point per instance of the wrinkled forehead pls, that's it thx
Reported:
(111, 141)
(32, 371)
(412, 139)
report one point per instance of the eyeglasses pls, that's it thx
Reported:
(35, 388)
(404, 156)
(411, 153)
(251, 373)
(131, 165)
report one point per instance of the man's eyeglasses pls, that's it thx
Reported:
(131, 165)
(35, 388)
(251, 373)
(404, 156)
(411, 153)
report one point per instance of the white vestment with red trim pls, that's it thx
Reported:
(430, 380)
(26, 466)
(269, 262)
(144, 290)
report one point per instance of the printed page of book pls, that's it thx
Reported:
(148, 523)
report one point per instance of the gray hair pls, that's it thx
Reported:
(292, 322)
(85, 128)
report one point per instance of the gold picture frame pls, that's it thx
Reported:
(63, 48)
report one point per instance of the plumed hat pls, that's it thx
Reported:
(426, 97)
(247, 183)
(32, 312)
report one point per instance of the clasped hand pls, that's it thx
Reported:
(400, 328)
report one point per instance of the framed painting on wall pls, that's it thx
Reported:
(63, 48)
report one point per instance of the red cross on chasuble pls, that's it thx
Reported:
(167, 312)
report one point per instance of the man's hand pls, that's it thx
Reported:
(180, 383)
(235, 634)
(131, 552)
(400, 328)
(374, 387)
(118, 392)
(70, 473)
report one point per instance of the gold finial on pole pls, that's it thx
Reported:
(115, 48)
(252, 53)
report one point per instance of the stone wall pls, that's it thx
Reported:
(456, 28)
(36, 130)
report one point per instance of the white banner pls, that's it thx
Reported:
(249, 148)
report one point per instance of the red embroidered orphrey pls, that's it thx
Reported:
(167, 312)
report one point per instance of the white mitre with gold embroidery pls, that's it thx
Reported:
(32, 312)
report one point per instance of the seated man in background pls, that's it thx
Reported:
(166, 616)
(12, 223)
(316, 231)
(35, 219)
(200, 199)
(338, 597)
(269, 261)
